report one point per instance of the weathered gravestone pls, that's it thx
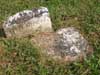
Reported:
(27, 22)
(66, 44)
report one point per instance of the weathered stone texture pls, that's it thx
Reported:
(27, 22)
(67, 44)
(71, 42)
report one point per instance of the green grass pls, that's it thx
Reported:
(21, 57)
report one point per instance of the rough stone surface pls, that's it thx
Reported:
(27, 22)
(67, 44)
(71, 42)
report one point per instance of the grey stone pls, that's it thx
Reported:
(27, 22)
(67, 44)
(71, 42)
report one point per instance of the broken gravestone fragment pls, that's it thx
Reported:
(66, 44)
(27, 22)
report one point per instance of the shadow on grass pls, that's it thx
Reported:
(2, 33)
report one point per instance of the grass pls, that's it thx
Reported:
(20, 57)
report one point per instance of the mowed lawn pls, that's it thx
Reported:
(21, 57)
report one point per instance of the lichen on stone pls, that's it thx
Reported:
(71, 42)
(28, 21)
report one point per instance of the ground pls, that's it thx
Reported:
(21, 57)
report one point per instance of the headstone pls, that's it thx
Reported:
(27, 22)
(67, 44)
